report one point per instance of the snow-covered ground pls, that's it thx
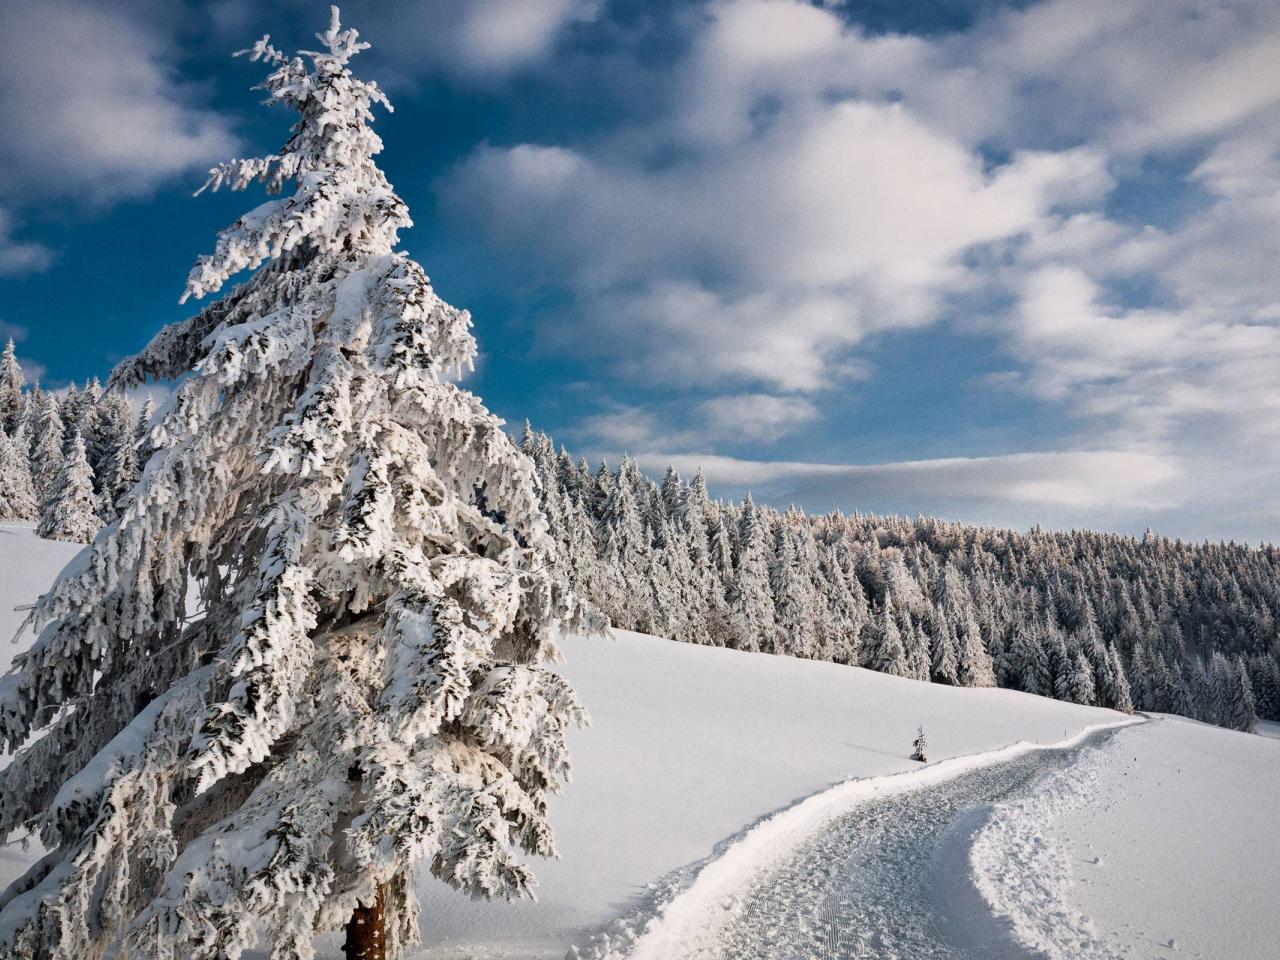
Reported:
(1164, 845)
(27, 567)
(691, 746)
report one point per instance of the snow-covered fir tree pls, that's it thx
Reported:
(12, 381)
(142, 431)
(91, 423)
(1080, 686)
(362, 685)
(70, 511)
(920, 747)
(117, 469)
(47, 448)
(945, 663)
(790, 578)
(882, 647)
(751, 604)
(625, 545)
(17, 491)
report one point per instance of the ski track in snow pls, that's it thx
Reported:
(881, 868)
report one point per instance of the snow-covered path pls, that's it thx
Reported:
(888, 878)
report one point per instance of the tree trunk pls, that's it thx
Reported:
(366, 933)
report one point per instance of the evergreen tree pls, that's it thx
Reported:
(1203, 698)
(70, 512)
(91, 423)
(1225, 686)
(119, 453)
(142, 433)
(624, 548)
(11, 383)
(1081, 687)
(69, 411)
(1239, 709)
(750, 599)
(362, 685)
(917, 646)
(695, 507)
(672, 493)
(920, 747)
(883, 650)
(17, 491)
(1143, 688)
(1119, 696)
(795, 605)
(945, 664)
(974, 605)
(46, 450)
(1029, 654)
(31, 406)
(1264, 676)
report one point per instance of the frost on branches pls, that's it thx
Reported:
(362, 685)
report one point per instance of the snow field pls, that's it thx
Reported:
(691, 745)
(690, 923)
(1166, 842)
(27, 568)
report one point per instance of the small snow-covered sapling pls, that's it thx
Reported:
(921, 744)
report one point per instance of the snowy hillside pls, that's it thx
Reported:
(691, 745)
(688, 746)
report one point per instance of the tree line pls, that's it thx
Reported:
(1092, 618)
(67, 459)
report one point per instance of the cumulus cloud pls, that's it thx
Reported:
(755, 416)
(501, 34)
(839, 220)
(811, 188)
(1133, 76)
(90, 108)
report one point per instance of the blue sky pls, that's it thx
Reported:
(1006, 263)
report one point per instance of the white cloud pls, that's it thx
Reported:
(13, 331)
(838, 221)
(1076, 480)
(810, 187)
(17, 256)
(89, 106)
(745, 417)
(625, 428)
(32, 370)
(500, 34)
(755, 416)
(468, 39)
(1134, 76)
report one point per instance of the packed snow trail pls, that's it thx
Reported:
(871, 869)
(889, 879)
